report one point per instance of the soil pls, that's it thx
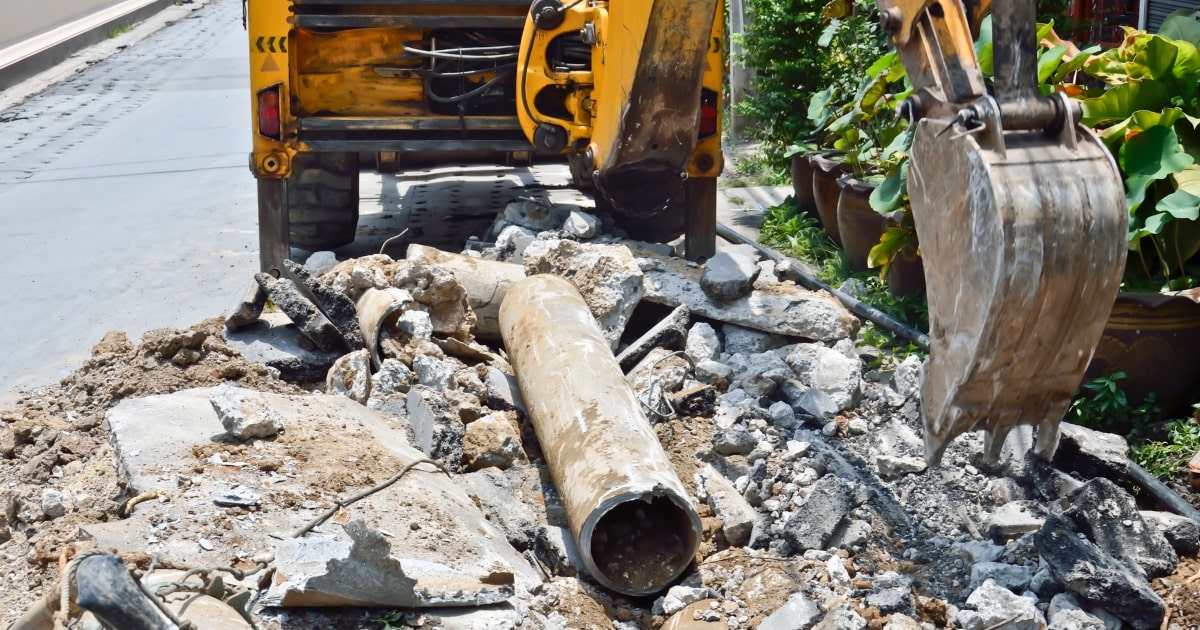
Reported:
(55, 437)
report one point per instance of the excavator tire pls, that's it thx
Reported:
(323, 200)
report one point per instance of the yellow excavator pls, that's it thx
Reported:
(1021, 216)
(627, 92)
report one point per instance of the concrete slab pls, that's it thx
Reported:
(330, 448)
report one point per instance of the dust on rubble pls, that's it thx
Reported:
(54, 442)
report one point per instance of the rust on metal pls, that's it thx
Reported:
(626, 507)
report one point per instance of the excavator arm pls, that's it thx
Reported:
(1021, 218)
(630, 91)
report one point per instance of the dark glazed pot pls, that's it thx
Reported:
(802, 184)
(907, 273)
(858, 225)
(826, 172)
(1152, 338)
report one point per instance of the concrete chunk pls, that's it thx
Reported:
(783, 309)
(245, 413)
(275, 342)
(728, 277)
(737, 517)
(362, 572)
(1108, 516)
(818, 516)
(307, 317)
(669, 333)
(1092, 453)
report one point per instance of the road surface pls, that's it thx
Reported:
(125, 198)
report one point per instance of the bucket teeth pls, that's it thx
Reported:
(1024, 249)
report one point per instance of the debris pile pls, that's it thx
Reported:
(358, 436)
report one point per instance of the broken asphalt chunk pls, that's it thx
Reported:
(307, 317)
(333, 304)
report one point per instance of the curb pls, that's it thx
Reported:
(41, 52)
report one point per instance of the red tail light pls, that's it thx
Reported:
(268, 112)
(708, 112)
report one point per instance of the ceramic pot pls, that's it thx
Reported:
(802, 184)
(826, 192)
(1152, 338)
(858, 225)
(907, 273)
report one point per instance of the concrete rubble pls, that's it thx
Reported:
(279, 436)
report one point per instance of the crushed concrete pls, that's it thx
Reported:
(805, 465)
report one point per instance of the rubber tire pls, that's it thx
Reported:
(322, 200)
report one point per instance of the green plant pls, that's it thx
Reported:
(1101, 404)
(395, 616)
(117, 31)
(1145, 110)
(1164, 458)
(780, 45)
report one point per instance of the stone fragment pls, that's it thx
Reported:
(393, 377)
(693, 399)
(513, 240)
(503, 394)
(1012, 520)
(669, 334)
(678, 597)
(166, 342)
(113, 342)
(702, 343)
(830, 371)
(819, 514)
(733, 441)
(1013, 577)
(900, 621)
(891, 466)
(320, 263)
(333, 304)
(737, 517)
(906, 378)
(350, 376)
(742, 340)
(714, 373)
(415, 325)
(54, 503)
(1092, 453)
(434, 373)
(332, 572)
(782, 415)
(248, 308)
(492, 441)
(727, 277)
(555, 547)
(307, 317)
(1098, 579)
(818, 404)
(1066, 613)
(582, 224)
(437, 428)
(841, 617)
(245, 414)
(798, 613)
(607, 277)
(1180, 531)
(850, 535)
(517, 500)
(275, 342)
(891, 600)
(1108, 516)
(697, 616)
(237, 496)
(784, 309)
(997, 607)
(538, 215)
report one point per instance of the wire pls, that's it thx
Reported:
(448, 54)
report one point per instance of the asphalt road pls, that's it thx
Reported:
(125, 199)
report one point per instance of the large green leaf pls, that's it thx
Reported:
(1122, 101)
(1183, 25)
(1148, 157)
(1180, 204)
(1155, 60)
(1049, 61)
(887, 196)
(1074, 64)
(1188, 180)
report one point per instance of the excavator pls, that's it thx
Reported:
(627, 93)
(1019, 210)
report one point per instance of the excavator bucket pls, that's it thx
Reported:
(1024, 241)
(1020, 213)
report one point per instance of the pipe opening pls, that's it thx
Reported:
(642, 546)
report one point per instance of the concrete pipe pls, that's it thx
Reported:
(626, 507)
